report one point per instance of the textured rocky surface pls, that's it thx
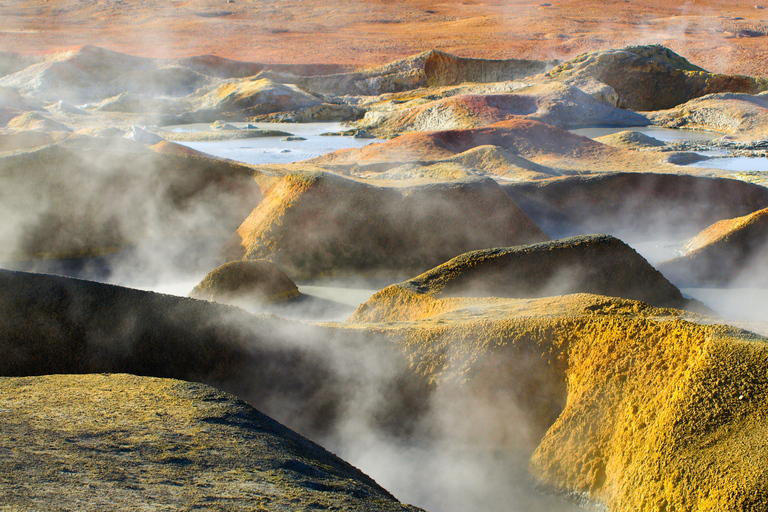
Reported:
(628, 406)
(127, 442)
(651, 77)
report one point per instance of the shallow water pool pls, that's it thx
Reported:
(275, 150)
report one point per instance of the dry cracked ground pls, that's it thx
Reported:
(523, 331)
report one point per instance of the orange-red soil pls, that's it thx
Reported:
(725, 37)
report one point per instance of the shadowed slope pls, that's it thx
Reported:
(133, 442)
(293, 372)
(90, 195)
(647, 206)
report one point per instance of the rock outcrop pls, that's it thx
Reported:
(739, 116)
(597, 264)
(245, 282)
(651, 77)
(140, 442)
(92, 74)
(645, 206)
(313, 224)
(729, 252)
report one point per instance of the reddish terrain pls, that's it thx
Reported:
(726, 37)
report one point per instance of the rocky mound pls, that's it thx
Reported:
(256, 281)
(635, 206)
(626, 406)
(597, 264)
(630, 139)
(249, 97)
(38, 122)
(729, 252)
(91, 74)
(740, 116)
(651, 77)
(313, 223)
(556, 104)
(90, 195)
(139, 442)
(13, 104)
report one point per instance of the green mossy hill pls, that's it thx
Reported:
(140, 442)
(632, 205)
(91, 195)
(313, 223)
(729, 252)
(626, 405)
(651, 77)
(597, 264)
(256, 281)
(291, 371)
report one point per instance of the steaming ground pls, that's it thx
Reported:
(441, 379)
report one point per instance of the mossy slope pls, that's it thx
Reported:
(130, 442)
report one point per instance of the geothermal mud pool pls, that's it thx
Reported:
(478, 309)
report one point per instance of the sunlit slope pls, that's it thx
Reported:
(631, 406)
(139, 442)
(315, 223)
(729, 252)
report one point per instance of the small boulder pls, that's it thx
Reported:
(246, 282)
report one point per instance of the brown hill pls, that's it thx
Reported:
(313, 224)
(140, 442)
(558, 151)
(729, 252)
(596, 264)
(257, 281)
(635, 206)
(91, 195)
